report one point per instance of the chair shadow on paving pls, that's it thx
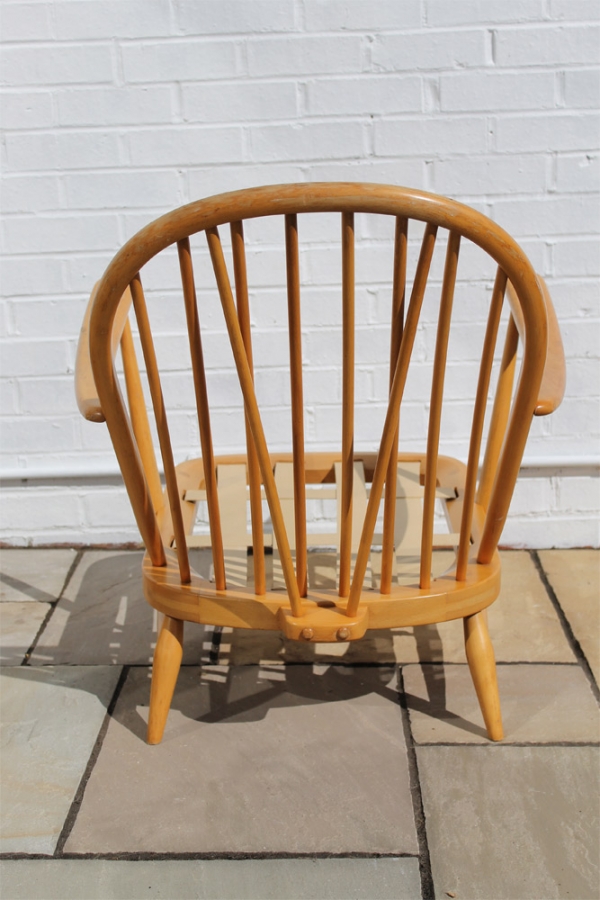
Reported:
(103, 619)
(31, 591)
(218, 694)
(248, 693)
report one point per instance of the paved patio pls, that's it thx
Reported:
(289, 771)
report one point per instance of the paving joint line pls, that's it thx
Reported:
(499, 745)
(76, 545)
(566, 625)
(78, 798)
(423, 856)
(53, 604)
(426, 875)
(211, 857)
(279, 664)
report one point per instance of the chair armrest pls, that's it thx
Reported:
(552, 388)
(85, 386)
(554, 379)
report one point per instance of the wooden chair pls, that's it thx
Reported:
(401, 488)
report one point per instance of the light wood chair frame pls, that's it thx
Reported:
(477, 507)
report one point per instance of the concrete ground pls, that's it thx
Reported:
(288, 771)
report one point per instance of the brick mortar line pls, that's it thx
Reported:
(79, 793)
(317, 117)
(384, 158)
(303, 33)
(310, 120)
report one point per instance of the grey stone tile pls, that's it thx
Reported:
(254, 760)
(523, 624)
(50, 720)
(103, 618)
(19, 624)
(32, 574)
(215, 879)
(512, 823)
(540, 704)
(575, 577)
(522, 621)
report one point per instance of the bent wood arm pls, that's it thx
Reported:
(85, 386)
(552, 388)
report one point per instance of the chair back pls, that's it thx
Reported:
(403, 212)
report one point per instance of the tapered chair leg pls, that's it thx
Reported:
(167, 660)
(480, 656)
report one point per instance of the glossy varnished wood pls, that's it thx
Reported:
(347, 465)
(500, 414)
(480, 656)
(162, 426)
(554, 378)
(165, 669)
(243, 309)
(357, 602)
(297, 398)
(435, 406)
(483, 384)
(389, 427)
(253, 416)
(139, 417)
(202, 407)
(397, 328)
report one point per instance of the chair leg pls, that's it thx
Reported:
(480, 656)
(167, 660)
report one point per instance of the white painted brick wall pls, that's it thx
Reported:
(114, 112)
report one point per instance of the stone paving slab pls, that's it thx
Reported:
(523, 624)
(218, 879)
(512, 823)
(19, 624)
(50, 720)
(32, 574)
(103, 618)
(254, 760)
(575, 577)
(540, 704)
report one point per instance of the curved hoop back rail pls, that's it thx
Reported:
(383, 566)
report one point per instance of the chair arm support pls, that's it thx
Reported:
(85, 386)
(552, 388)
(554, 379)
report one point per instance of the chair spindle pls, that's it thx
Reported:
(254, 484)
(141, 314)
(347, 401)
(396, 393)
(435, 409)
(253, 415)
(139, 417)
(295, 340)
(199, 376)
(485, 370)
(500, 414)
(389, 505)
